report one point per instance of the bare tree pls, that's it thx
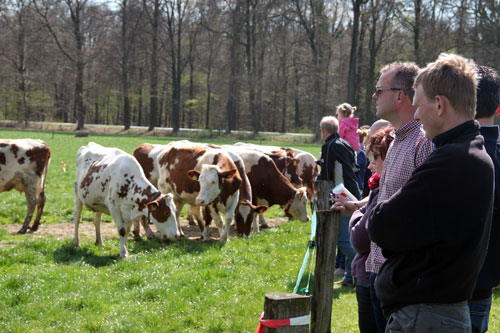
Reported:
(75, 52)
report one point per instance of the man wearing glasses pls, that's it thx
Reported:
(434, 242)
(393, 95)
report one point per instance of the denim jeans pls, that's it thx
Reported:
(366, 318)
(480, 314)
(377, 310)
(345, 247)
(430, 318)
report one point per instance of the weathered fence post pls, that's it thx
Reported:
(327, 231)
(284, 306)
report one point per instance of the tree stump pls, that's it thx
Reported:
(286, 305)
(327, 231)
(81, 134)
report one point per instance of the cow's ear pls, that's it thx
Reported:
(152, 205)
(260, 209)
(300, 194)
(193, 174)
(228, 174)
(296, 161)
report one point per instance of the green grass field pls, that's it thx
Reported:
(47, 285)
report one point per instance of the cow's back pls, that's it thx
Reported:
(174, 162)
(22, 157)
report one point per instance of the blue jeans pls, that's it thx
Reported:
(345, 247)
(480, 314)
(430, 318)
(380, 319)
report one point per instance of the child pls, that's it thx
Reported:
(348, 125)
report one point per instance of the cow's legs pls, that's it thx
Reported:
(39, 210)
(77, 213)
(30, 191)
(218, 223)
(123, 230)
(196, 213)
(255, 224)
(262, 220)
(97, 224)
(178, 205)
(137, 228)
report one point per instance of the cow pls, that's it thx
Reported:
(199, 175)
(245, 212)
(24, 164)
(306, 170)
(284, 159)
(269, 186)
(108, 180)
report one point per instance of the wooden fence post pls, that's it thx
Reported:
(327, 231)
(286, 305)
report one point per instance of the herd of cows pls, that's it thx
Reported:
(238, 181)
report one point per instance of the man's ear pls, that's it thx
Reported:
(441, 103)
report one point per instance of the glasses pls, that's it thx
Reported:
(378, 90)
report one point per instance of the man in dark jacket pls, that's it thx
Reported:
(427, 230)
(338, 164)
(488, 100)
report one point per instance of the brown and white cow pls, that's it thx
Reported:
(108, 180)
(306, 170)
(147, 155)
(199, 175)
(23, 166)
(284, 159)
(269, 186)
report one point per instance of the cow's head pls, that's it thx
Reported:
(298, 207)
(245, 214)
(210, 179)
(161, 211)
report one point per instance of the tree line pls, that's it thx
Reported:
(260, 65)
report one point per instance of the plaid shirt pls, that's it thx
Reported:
(408, 150)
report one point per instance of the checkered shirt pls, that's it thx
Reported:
(408, 150)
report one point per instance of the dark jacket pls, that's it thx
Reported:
(489, 276)
(359, 238)
(434, 231)
(337, 149)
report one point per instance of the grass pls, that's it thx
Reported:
(47, 285)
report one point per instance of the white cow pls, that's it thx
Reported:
(23, 166)
(108, 180)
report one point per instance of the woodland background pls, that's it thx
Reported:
(259, 65)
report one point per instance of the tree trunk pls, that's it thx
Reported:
(153, 98)
(351, 78)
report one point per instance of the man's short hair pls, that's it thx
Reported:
(488, 92)
(329, 124)
(404, 76)
(454, 77)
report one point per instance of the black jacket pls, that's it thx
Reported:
(434, 231)
(337, 149)
(489, 276)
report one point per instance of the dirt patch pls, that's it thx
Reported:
(108, 230)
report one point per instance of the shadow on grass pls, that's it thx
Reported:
(68, 253)
(304, 289)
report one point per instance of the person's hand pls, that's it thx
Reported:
(344, 206)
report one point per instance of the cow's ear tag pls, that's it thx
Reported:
(194, 177)
(294, 163)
